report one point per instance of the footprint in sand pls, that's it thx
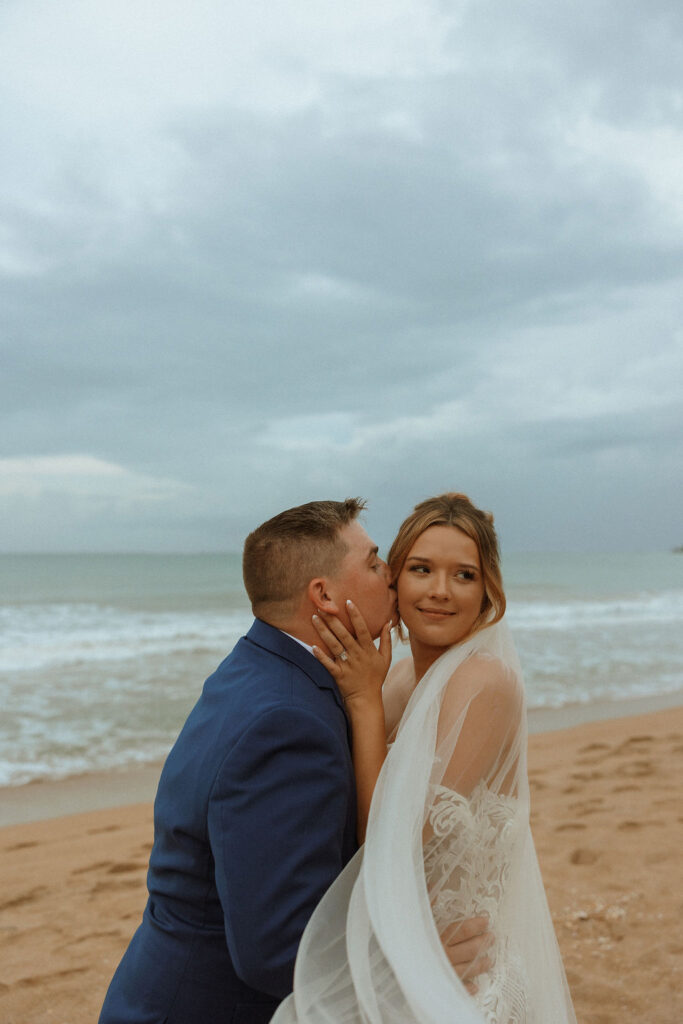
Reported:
(637, 769)
(581, 856)
(596, 753)
(92, 867)
(586, 776)
(591, 806)
(105, 828)
(24, 897)
(90, 937)
(633, 745)
(19, 846)
(569, 826)
(659, 857)
(125, 883)
(676, 739)
(631, 826)
(41, 979)
(120, 869)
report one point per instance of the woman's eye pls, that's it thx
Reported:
(466, 574)
(421, 569)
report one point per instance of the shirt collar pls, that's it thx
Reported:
(302, 642)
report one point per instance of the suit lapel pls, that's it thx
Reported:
(283, 646)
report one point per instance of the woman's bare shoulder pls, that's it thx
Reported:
(399, 672)
(486, 677)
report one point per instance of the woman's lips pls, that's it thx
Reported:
(435, 613)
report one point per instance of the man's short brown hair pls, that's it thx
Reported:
(285, 553)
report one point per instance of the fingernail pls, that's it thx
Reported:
(315, 618)
(316, 650)
(349, 604)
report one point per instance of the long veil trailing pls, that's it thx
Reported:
(448, 839)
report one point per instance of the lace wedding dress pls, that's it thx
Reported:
(448, 839)
(468, 866)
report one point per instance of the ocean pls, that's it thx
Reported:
(102, 656)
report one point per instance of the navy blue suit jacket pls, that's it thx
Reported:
(254, 817)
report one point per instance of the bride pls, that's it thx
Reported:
(440, 760)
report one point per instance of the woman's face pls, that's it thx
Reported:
(440, 590)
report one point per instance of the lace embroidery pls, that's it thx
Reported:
(468, 862)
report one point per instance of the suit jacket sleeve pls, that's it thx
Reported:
(276, 820)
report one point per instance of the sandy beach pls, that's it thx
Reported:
(607, 817)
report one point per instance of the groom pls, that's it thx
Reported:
(255, 814)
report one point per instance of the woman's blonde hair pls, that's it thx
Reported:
(456, 510)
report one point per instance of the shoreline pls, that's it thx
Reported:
(43, 799)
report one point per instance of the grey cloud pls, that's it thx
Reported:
(399, 241)
(652, 431)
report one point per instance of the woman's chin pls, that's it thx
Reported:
(439, 634)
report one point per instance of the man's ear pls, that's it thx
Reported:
(318, 593)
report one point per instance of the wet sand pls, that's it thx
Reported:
(607, 817)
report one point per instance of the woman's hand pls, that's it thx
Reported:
(466, 944)
(357, 666)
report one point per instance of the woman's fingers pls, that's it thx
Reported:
(460, 931)
(335, 629)
(466, 944)
(385, 648)
(470, 959)
(332, 641)
(358, 622)
(357, 666)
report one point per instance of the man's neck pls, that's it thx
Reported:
(301, 629)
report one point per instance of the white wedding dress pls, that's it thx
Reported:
(448, 839)
(467, 867)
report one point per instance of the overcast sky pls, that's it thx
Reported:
(255, 253)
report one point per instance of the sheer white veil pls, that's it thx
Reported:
(449, 822)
